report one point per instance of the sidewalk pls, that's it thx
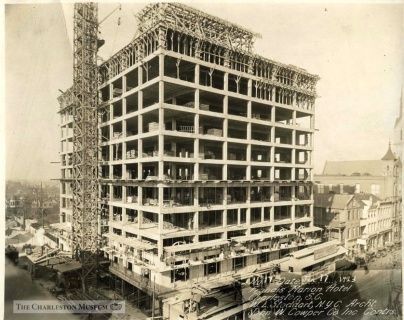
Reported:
(392, 260)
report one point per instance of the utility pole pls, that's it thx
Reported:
(39, 203)
(41, 208)
(24, 213)
(154, 290)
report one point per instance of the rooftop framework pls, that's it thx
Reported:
(196, 23)
(190, 32)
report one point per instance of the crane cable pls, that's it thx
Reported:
(118, 23)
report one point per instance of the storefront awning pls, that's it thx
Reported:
(133, 242)
(196, 245)
(309, 229)
(263, 235)
(308, 261)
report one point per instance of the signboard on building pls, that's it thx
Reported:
(317, 274)
(325, 251)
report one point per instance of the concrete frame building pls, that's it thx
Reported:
(64, 228)
(205, 158)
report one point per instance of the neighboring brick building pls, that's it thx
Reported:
(340, 215)
(376, 223)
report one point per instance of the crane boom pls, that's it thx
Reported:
(85, 141)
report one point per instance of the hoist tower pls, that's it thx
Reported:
(85, 140)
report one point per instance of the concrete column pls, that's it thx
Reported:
(111, 91)
(249, 108)
(294, 100)
(124, 83)
(124, 106)
(196, 196)
(174, 171)
(161, 118)
(160, 224)
(225, 144)
(196, 221)
(140, 141)
(174, 124)
(196, 165)
(160, 198)
(124, 135)
(273, 94)
(312, 123)
(249, 134)
(140, 155)
(139, 220)
(294, 145)
(174, 146)
(226, 81)
(293, 216)
(196, 141)
(161, 149)
(225, 215)
(140, 75)
(249, 88)
(311, 213)
(272, 160)
(139, 195)
(160, 247)
(140, 125)
(248, 221)
(196, 124)
(197, 72)
(248, 169)
(123, 194)
(293, 174)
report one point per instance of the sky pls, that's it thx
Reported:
(355, 48)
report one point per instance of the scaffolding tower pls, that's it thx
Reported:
(85, 141)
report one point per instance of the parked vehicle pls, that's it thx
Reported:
(12, 253)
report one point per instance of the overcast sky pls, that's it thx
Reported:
(356, 49)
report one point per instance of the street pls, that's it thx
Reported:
(369, 294)
(382, 282)
(19, 286)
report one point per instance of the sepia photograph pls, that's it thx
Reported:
(202, 160)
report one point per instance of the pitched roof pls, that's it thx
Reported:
(389, 154)
(367, 199)
(366, 196)
(348, 168)
(335, 201)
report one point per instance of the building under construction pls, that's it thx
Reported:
(204, 166)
